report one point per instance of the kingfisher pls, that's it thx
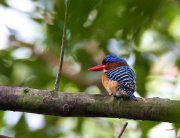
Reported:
(117, 77)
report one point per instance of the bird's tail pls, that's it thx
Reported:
(131, 95)
(128, 92)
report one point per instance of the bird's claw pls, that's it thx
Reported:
(116, 94)
(119, 94)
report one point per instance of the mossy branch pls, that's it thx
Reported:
(87, 105)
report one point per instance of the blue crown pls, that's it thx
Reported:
(113, 58)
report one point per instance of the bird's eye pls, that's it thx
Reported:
(104, 62)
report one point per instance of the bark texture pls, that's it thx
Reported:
(86, 105)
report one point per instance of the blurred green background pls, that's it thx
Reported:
(146, 33)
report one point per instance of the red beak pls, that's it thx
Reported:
(97, 68)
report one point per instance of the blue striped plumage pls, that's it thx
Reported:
(126, 79)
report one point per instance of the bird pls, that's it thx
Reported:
(118, 78)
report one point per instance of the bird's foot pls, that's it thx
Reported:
(118, 94)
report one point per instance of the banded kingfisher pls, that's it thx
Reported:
(117, 77)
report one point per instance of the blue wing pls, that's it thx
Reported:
(126, 78)
(124, 75)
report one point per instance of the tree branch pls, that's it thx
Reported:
(86, 105)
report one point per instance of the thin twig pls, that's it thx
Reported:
(58, 76)
(122, 131)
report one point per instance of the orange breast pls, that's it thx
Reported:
(109, 85)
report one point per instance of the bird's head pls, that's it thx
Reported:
(110, 62)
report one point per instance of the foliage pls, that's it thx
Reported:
(145, 32)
